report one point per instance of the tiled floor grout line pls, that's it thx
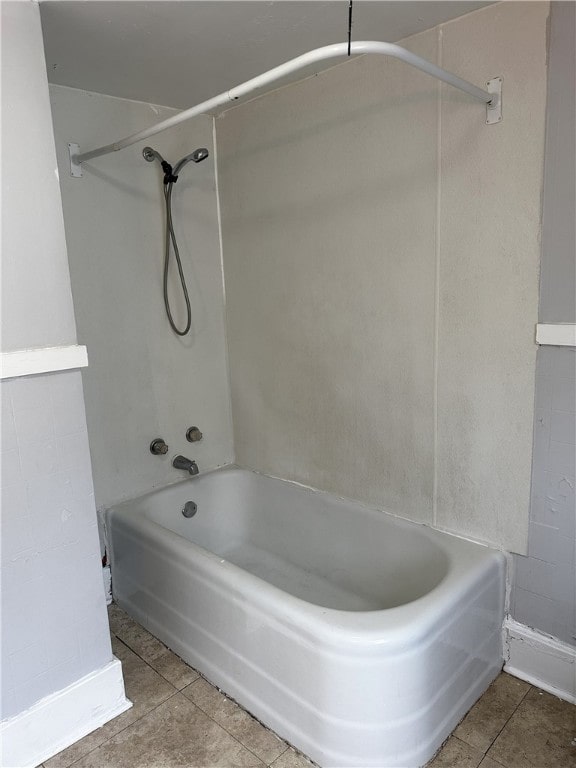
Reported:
(494, 761)
(122, 729)
(503, 727)
(177, 690)
(155, 670)
(485, 753)
(268, 765)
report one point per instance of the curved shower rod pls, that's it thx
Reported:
(491, 97)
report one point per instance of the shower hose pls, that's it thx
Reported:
(171, 238)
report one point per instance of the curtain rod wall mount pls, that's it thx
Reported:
(492, 97)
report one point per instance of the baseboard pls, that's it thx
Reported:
(540, 659)
(59, 720)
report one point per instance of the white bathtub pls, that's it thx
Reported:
(360, 638)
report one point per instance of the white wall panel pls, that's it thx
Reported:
(378, 236)
(490, 223)
(143, 381)
(328, 204)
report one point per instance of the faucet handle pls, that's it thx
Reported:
(158, 447)
(193, 434)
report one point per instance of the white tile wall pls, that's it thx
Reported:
(544, 590)
(51, 572)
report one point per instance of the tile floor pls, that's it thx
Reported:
(179, 720)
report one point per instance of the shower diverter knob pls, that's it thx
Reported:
(193, 434)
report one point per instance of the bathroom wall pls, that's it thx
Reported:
(54, 621)
(54, 633)
(558, 276)
(544, 589)
(544, 586)
(34, 270)
(381, 256)
(143, 381)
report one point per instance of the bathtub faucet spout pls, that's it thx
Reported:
(181, 462)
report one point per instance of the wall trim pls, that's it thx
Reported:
(28, 362)
(540, 659)
(59, 720)
(556, 334)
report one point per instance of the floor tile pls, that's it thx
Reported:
(457, 754)
(199, 727)
(174, 670)
(249, 732)
(145, 645)
(175, 734)
(145, 689)
(538, 735)
(139, 640)
(118, 619)
(292, 759)
(492, 711)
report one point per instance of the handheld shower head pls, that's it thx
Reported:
(196, 157)
(171, 174)
(199, 154)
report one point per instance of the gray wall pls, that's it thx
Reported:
(54, 622)
(544, 588)
(558, 270)
(34, 261)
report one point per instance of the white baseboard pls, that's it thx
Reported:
(59, 720)
(540, 659)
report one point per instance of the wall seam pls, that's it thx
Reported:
(224, 308)
(437, 246)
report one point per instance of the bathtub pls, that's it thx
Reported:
(360, 638)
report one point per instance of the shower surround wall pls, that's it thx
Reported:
(143, 381)
(381, 255)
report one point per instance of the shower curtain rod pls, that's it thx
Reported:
(491, 97)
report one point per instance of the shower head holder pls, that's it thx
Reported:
(169, 177)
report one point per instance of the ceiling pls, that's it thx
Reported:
(180, 53)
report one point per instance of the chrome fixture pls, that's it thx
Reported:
(181, 462)
(150, 155)
(158, 447)
(171, 174)
(170, 178)
(190, 509)
(193, 434)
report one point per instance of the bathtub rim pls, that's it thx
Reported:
(405, 625)
(424, 528)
